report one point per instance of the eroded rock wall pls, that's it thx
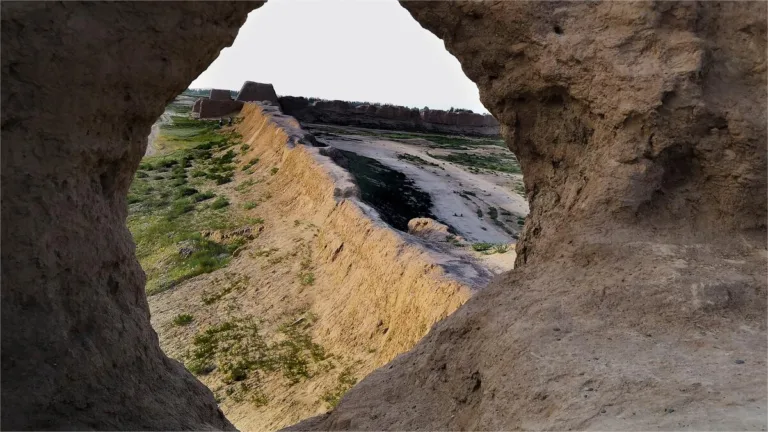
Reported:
(389, 117)
(82, 84)
(639, 298)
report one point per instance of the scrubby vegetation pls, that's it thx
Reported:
(170, 204)
(182, 319)
(238, 351)
(416, 160)
(345, 382)
(490, 248)
(497, 162)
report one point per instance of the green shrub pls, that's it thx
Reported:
(182, 319)
(274, 170)
(250, 163)
(250, 205)
(307, 278)
(482, 246)
(219, 203)
(179, 207)
(220, 180)
(197, 173)
(479, 213)
(141, 174)
(202, 196)
(185, 191)
(345, 382)
(501, 248)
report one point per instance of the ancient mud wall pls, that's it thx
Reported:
(389, 117)
(369, 303)
(78, 351)
(220, 95)
(257, 92)
(210, 108)
(196, 106)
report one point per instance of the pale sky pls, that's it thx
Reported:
(359, 50)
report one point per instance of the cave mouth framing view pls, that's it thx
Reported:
(267, 255)
(233, 261)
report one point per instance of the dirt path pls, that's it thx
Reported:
(457, 194)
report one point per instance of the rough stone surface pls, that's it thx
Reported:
(389, 117)
(257, 92)
(640, 279)
(220, 95)
(640, 128)
(82, 84)
(210, 108)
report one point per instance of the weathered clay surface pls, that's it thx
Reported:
(196, 105)
(220, 95)
(257, 92)
(389, 117)
(639, 301)
(210, 108)
(82, 84)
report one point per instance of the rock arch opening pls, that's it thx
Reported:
(661, 280)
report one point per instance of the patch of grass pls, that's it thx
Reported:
(306, 278)
(500, 248)
(274, 170)
(203, 196)
(245, 186)
(496, 162)
(232, 283)
(182, 319)
(482, 246)
(220, 203)
(453, 240)
(250, 163)
(345, 381)
(179, 207)
(244, 148)
(250, 205)
(164, 217)
(185, 192)
(255, 221)
(416, 160)
(241, 356)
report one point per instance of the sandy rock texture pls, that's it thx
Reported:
(639, 301)
(82, 84)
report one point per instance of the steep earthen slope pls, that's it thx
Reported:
(640, 297)
(368, 299)
(320, 260)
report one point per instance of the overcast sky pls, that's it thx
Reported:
(360, 50)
